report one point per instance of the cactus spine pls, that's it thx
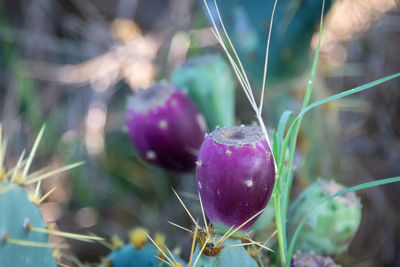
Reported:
(24, 236)
(235, 256)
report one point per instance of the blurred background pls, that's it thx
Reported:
(72, 64)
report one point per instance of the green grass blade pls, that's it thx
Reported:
(274, 144)
(283, 121)
(310, 84)
(342, 192)
(358, 89)
(285, 181)
(347, 93)
(311, 78)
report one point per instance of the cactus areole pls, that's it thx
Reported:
(165, 127)
(235, 175)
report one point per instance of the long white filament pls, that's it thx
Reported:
(266, 59)
(239, 70)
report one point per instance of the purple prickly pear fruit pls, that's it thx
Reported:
(235, 175)
(312, 260)
(165, 127)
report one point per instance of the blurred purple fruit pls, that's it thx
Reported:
(235, 175)
(165, 127)
(312, 260)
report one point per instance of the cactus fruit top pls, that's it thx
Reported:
(235, 175)
(209, 83)
(165, 127)
(138, 237)
(312, 260)
(331, 226)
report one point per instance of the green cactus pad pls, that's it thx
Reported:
(209, 83)
(231, 256)
(331, 227)
(128, 256)
(15, 211)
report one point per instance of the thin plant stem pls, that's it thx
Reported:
(266, 59)
(281, 197)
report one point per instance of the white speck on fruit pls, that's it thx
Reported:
(129, 116)
(199, 185)
(249, 183)
(228, 152)
(173, 102)
(163, 124)
(199, 163)
(150, 154)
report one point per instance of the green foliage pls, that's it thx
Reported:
(229, 256)
(15, 211)
(331, 226)
(284, 154)
(24, 87)
(210, 85)
(129, 173)
(342, 192)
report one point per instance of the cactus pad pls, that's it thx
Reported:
(331, 226)
(209, 83)
(129, 256)
(228, 256)
(15, 211)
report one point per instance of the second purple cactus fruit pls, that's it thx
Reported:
(311, 260)
(235, 175)
(165, 127)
